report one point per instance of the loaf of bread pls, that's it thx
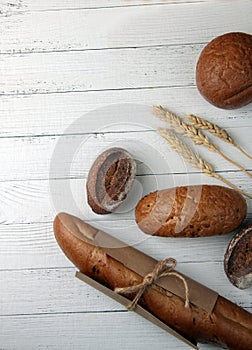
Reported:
(110, 179)
(224, 71)
(238, 259)
(191, 211)
(228, 325)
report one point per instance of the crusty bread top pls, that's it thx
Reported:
(224, 71)
(191, 211)
(228, 325)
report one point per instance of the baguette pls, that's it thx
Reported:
(228, 325)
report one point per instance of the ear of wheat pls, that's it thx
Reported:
(193, 133)
(185, 151)
(180, 127)
(216, 130)
(196, 161)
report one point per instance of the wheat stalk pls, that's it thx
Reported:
(182, 128)
(185, 151)
(215, 130)
(193, 133)
(196, 161)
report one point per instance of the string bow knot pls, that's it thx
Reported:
(160, 270)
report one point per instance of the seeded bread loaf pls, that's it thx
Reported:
(191, 211)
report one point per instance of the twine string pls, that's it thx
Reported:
(160, 270)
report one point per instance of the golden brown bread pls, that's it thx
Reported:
(191, 211)
(224, 71)
(228, 325)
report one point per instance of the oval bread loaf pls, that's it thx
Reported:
(191, 211)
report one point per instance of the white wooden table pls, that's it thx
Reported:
(60, 60)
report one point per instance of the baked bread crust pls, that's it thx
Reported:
(224, 71)
(110, 179)
(228, 325)
(191, 211)
(238, 259)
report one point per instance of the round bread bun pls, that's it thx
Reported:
(224, 71)
(238, 259)
(110, 179)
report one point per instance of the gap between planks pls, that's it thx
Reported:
(129, 27)
(52, 114)
(12, 8)
(24, 53)
(53, 297)
(51, 165)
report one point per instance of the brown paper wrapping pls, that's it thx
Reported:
(143, 264)
(138, 309)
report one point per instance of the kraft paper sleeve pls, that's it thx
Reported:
(143, 264)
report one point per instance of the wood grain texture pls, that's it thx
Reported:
(79, 327)
(21, 161)
(82, 71)
(51, 114)
(54, 299)
(60, 5)
(132, 26)
(59, 61)
(32, 245)
(106, 331)
(38, 201)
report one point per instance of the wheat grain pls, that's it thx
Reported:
(195, 160)
(185, 151)
(216, 130)
(212, 128)
(183, 128)
(193, 133)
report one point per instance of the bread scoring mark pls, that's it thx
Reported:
(247, 91)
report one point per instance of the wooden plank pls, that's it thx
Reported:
(44, 306)
(53, 113)
(78, 327)
(63, 156)
(98, 70)
(52, 298)
(32, 245)
(133, 26)
(107, 331)
(25, 202)
(8, 8)
(48, 291)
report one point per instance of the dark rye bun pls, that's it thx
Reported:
(110, 179)
(228, 325)
(191, 211)
(224, 71)
(238, 259)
